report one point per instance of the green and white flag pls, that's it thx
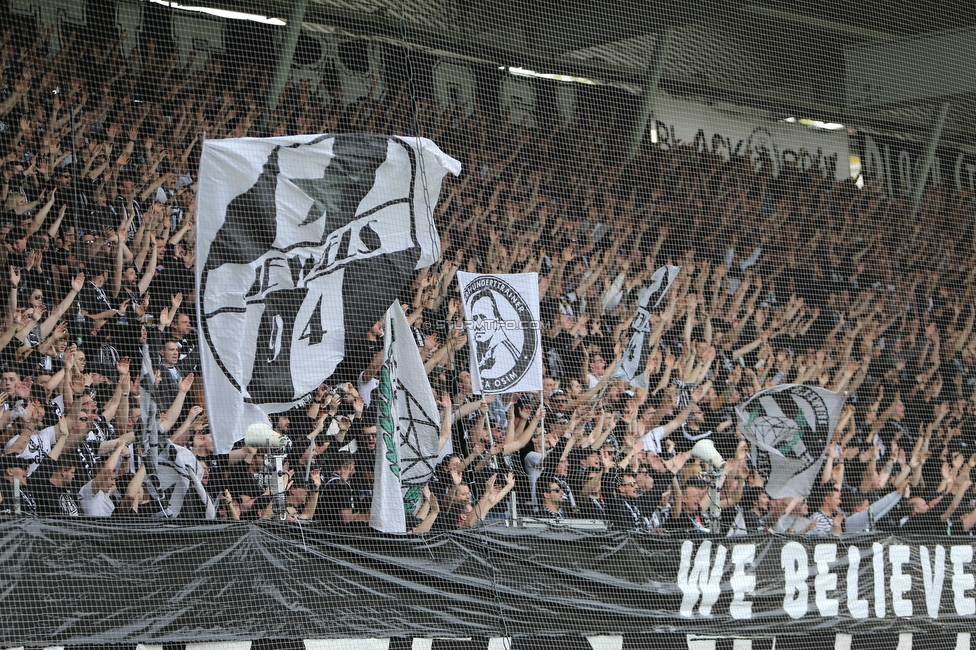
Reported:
(408, 428)
(789, 428)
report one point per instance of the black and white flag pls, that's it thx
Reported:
(631, 367)
(303, 243)
(501, 313)
(789, 428)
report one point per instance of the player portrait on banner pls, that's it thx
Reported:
(502, 318)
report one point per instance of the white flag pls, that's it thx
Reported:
(502, 317)
(408, 428)
(631, 367)
(790, 427)
(303, 243)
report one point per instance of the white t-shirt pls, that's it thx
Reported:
(652, 440)
(38, 447)
(98, 504)
(366, 389)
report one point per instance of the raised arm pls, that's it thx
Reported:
(52, 321)
(173, 413)
(493, 496)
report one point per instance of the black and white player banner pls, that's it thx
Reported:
(631, 367)
(501, 313)
(408, 427)
(303, 242)
(789, 428)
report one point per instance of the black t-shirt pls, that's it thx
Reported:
(28, 506)
(571, 360)
(546, 513)
(336, 496)
(688, 522)
(94, 299)
(358, 356)
(52, 501)
(591, 507)
(624, 514)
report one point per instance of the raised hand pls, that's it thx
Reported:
(446, 402)
(78, 282)
(142, 308)
(186, 383)
(60, 331)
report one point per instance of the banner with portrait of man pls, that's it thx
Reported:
(504, 339)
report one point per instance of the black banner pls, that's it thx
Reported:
(67, 583)
(896, 164)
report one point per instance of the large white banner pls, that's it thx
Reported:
(766, 142)
(303, 243)
(501, 313)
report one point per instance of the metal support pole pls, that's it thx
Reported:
(658, 55)
(930, 147)
(75, 180)
(285, 57)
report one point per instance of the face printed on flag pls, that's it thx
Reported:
(307, 242)
(498, 346)
(502, 318)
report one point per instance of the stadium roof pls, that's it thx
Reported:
(777, 56)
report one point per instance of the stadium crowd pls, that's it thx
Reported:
(789, 279)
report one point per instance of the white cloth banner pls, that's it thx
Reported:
(765, 141)
(790, 427)
(501, 313)
(408, 428)
(303, 242)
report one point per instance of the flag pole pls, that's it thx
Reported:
(491, 439)
(542, 426)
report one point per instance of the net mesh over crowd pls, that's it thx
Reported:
(410, 324)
